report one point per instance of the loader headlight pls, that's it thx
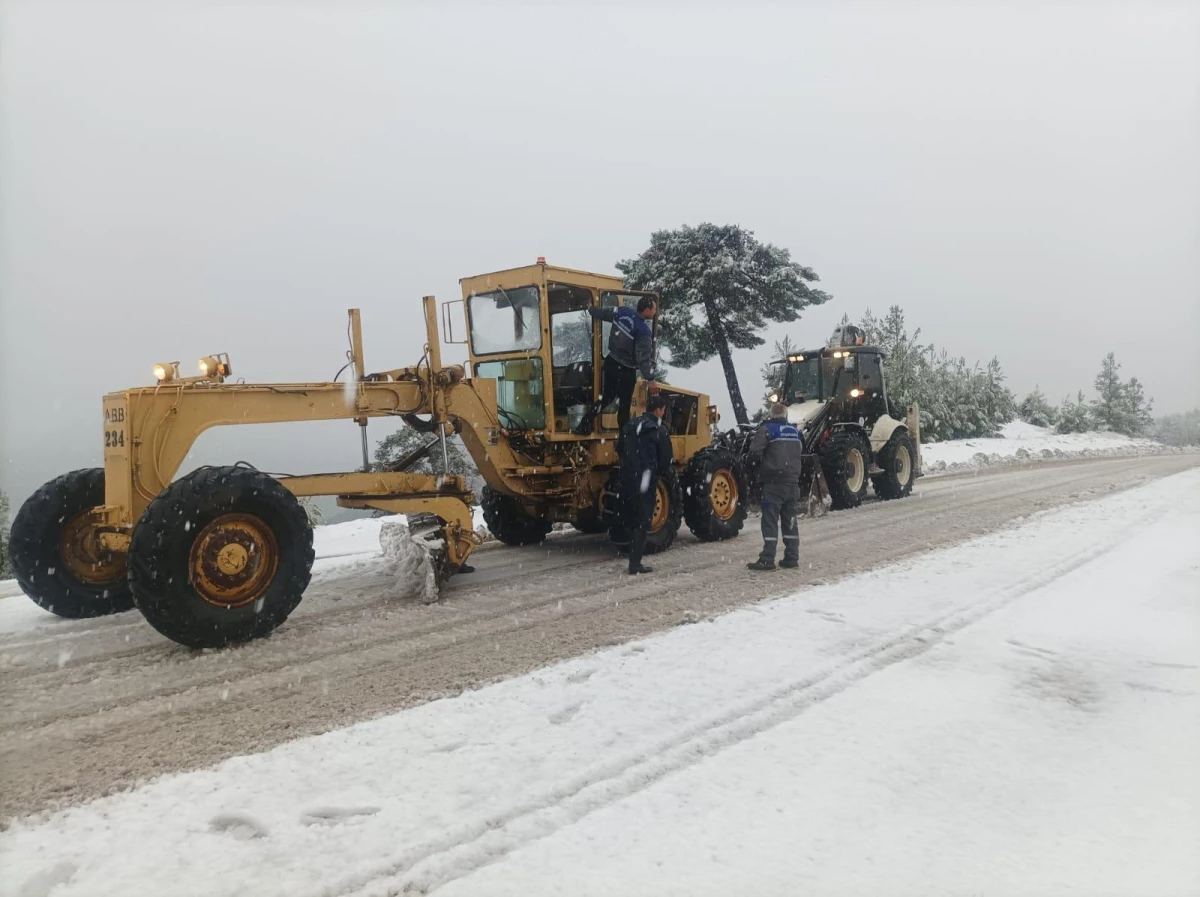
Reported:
(215, 366)
(855, 393)
(166, 370)
(774, 397)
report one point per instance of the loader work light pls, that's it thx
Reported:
(774, 397)
(855, 393)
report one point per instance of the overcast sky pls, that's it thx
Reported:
(183, 178)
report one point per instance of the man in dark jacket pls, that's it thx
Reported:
(778, 450)
(645, 457)
(630, 352)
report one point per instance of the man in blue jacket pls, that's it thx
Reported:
(630, 353)
(646, 457)
(777, 448)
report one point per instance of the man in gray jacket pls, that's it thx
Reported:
(779, 452)
(630, 352)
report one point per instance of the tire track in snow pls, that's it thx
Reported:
(424, 868)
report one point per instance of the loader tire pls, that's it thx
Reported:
(664, 522)
(714, 495)
(55, 557)
(222, 555)
(845, 459)
(897, 461)
(508, 522)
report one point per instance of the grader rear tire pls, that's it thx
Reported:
(222, 555)
(55, 556)
(508, 522)
(715, 492)
(845, 459)
(664, 521)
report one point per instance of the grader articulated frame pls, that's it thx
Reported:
(223, 554)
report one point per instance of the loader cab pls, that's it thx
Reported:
(529, 330)
(853, 375)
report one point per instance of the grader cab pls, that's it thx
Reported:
(223, 554)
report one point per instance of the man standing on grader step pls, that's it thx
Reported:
(779, 452)
(630, 352)
(645, 456)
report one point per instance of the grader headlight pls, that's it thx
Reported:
(215, 367)
(166, 370)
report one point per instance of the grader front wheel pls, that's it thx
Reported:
(715, 491)
(56, 556)
(223, 555)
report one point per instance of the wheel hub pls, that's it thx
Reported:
(903, 466)
(662, 507)
(723, 494)
(233, 560)
(82, 554)
(855, 469)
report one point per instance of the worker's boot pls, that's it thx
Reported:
(761, 564)
(584, 427)
(637, 545)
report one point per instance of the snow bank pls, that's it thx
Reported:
(1013, 715)
(1021, 443)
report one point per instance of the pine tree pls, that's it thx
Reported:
(720, 287)
(1034, 409)
(1108, 408)
(1075, 417)
(1136, 409)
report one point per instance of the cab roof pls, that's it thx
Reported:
(827, 352)
(538, 274)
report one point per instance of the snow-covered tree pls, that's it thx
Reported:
(1075, 416)
(1034, 409)
(1136, 409)
(394, 447)
(1179, 429)
(312, 511)
(5, 572)
(1108, 408)
(720, 287)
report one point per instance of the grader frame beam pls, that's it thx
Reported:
(149, 431)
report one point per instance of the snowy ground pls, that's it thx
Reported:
(1022, 443)
(1017, 715)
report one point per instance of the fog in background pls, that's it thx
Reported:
(181, 178)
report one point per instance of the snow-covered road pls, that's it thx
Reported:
(1015, 715)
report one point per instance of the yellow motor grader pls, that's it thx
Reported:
(223, 554)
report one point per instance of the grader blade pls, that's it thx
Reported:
(415, 554)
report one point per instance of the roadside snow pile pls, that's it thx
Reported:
(1015, 715)
(408, 559)
(1022, 443)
